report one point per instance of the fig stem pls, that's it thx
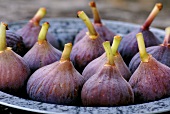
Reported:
(157, 8)
(66, 52)
(115, 44)
(109, 54)
(38, 16)
(142, 50)
(96, 15)
(92, 32)
(43, 32)
(3, 44)
(167, 37)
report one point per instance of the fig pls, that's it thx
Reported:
(89, 48)
(31, 30)
(107, 87)
(15, 42)
(98, 63)
(161, 53)
(42, 53)
(103, 31)
(151, 80)
(129, 47)
(58, 82)
(14, 71)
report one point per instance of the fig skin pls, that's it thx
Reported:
(150, 81)
(101, 29)
(160, 53)
(95, 65)
(107, 88)
(85, 51)
(14, 72)
(30, 34)
(15, 42)
(58, 83)
(41, 55)
(30, 31)
(129, 47)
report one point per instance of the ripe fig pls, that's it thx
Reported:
(151, 80)
(15, 42)
(58, 82)
(107, 87)
(128, 47)
(14, 71)
(89, 48)
(161, 53)
(98, 63)
(31, 31)
(103, 31)
(42, 53)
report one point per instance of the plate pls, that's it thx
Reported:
(65, 29)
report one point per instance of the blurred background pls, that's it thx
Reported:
(133, 11)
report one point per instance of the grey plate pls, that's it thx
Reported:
(65, 30)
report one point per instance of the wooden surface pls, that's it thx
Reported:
(134, 11)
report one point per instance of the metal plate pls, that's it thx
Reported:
(65, 29)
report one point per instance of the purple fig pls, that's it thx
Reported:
(151, 80)
(14, 71)
(129, 47)
(107, 87)
(103, 31)
(89, 48)
(98, 63)
(42, 53)
(161, 53)
(58, 82)
(15, 42)
(31, 31)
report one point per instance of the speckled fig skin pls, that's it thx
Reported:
(30, 34)
(150, 81)
(129, 47)
(41, 54)
(97, 64)
(16, 42)
(85, 51)
(56, 83)
(107, 88)
(160, 53)
(14, 72)
(101, 29)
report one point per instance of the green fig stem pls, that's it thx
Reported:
(92, 32)
(109, 54)
(166, 41)
(3, 44)
(157, 8)
(115, 44)
(66, 53)
(96, 15)
(43, 32)
(38, 16)
(142, 50)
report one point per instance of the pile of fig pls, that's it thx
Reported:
(90, 72)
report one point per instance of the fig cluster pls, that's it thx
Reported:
(93, 71)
